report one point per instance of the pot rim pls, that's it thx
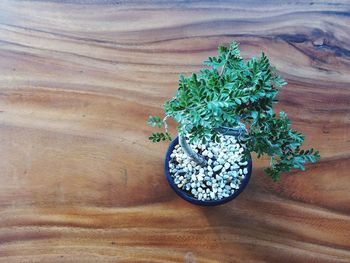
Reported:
(186, 196)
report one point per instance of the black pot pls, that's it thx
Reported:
(187, 196)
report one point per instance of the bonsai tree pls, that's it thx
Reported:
(230, 92)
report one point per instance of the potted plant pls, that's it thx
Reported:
(224, 113)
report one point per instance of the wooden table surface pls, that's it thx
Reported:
(79, 181)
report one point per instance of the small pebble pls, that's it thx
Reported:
(181, 172)
(189, 167)
(217, 168)
(221, 161)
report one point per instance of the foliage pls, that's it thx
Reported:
(230, 92)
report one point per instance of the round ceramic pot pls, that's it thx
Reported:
(187, 196)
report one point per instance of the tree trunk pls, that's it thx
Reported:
(199, 159)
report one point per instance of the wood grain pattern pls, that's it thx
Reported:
(79, 182)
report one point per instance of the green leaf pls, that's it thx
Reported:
(154, 121)
(238, 101)
(167, 134)
(157, 137)
(254, 114)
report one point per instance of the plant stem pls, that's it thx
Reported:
(237, 131)
(197, 158)
(223, 67)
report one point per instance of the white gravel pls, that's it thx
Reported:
(220, 178)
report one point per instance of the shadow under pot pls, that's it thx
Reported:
(223, 177)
